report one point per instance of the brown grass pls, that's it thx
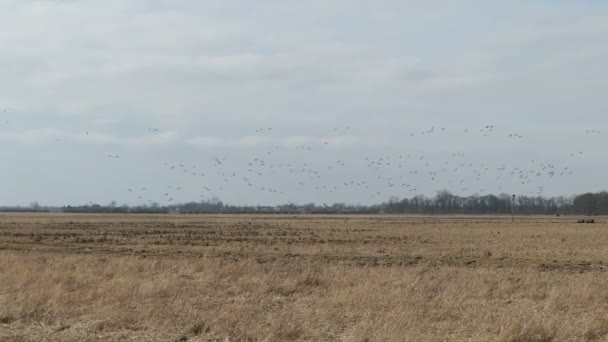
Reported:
(206, 278)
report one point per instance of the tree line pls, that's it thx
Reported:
(443, 202)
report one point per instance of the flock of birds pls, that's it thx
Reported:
(283, 172)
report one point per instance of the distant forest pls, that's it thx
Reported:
(443, 203)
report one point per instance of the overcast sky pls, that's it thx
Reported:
(265, 102)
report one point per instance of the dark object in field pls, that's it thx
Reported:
(580, 221)
(590, 221)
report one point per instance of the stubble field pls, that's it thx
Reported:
(302, 278)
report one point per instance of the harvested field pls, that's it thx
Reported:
(292, 278)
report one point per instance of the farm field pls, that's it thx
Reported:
(302, 278)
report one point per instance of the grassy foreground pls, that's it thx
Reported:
(71, 278)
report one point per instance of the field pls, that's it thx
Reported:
(309, 278)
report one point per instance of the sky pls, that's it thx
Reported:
(271, 102)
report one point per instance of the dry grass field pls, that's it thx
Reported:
(302, 278)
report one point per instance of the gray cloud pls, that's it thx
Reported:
(209, 73)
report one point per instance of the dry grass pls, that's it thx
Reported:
(205, 278)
